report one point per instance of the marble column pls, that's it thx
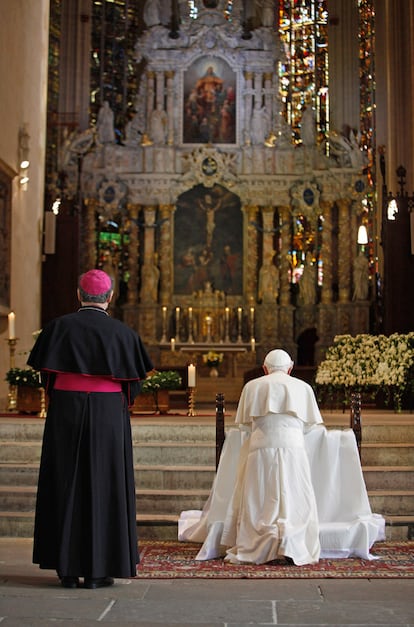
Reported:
(344, 250)
(90, 260)
(159, 93)
(150, 98)
(133, 254)
(149, 269)
(285, 235)
(170, 106)
(250, 254)
(165, 254)
(326, 252)
(248, 104)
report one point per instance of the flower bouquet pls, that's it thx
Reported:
(369, 364)
(213, 360)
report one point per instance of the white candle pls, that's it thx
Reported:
(191, 376)
(253, 344)
(227, 312)
(12, 327)
(172, 344)
(164, 312)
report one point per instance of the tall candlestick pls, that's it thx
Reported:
(190, 325)
(177, 322)
(12, 325)
(191, 376)
(239, 319)
(164, 324)
(252, 322)
(208, 323)
(226, 324)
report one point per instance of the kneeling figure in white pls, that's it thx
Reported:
(281, 491)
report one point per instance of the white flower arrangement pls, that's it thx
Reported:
(369, 362)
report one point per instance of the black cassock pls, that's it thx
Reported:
(85, 522)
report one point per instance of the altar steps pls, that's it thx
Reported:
(174, 461)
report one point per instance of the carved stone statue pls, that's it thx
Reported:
(361, 277)
(308, 127)
(105, 124)
(152, 13)
(158, 125)
(269, 281)
(307, 283)
(259, 124)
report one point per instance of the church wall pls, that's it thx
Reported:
(23, 76)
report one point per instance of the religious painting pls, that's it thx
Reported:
(209, 111)
(208, 241)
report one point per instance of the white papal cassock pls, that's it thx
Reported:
(290, 487)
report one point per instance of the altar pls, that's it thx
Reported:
(248, 233)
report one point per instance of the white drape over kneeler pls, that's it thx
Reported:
(289, 487)
(347, 526)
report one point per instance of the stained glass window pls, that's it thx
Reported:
(303, 72)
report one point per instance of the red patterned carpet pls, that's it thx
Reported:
(172, 559)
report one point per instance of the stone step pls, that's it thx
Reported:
(388, 477)
(385, 433)
(392, 502)
(146, 476)
(200, 453)
(165, 526)
(172, 501)
(20, 452)
(387, 453)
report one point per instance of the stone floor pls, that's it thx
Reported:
(33, 597)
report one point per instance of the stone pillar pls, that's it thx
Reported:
(326, 252)
(90, 260)
(344, 251)
(149, 269)
(268, 100)
(170, 107)
(165, 254)
(267, 246)
(150, 98)
(285, 234)
(248, 105)
(258, 87)
(159, 94)
(133, 255)
(250, 255)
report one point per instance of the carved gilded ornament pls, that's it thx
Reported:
(305, 199)
(208, 166)
(111, 195)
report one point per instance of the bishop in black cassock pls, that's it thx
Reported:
(91, 366)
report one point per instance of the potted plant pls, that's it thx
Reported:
(155, 388)
(26, 382)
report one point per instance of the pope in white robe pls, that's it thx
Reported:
(285, 485)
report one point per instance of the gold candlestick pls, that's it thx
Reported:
(42, 413)
(191, 402)
(12, 394)
(164, 325)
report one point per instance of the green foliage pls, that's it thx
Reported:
(168, 380)
(23, 376)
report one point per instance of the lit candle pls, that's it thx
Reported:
(226, 314)
(239, 315)
(252, 322)
(191, 376)
(12, 329)
(253, 344)
(173, 344)
(177, 322)
(164, 312)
